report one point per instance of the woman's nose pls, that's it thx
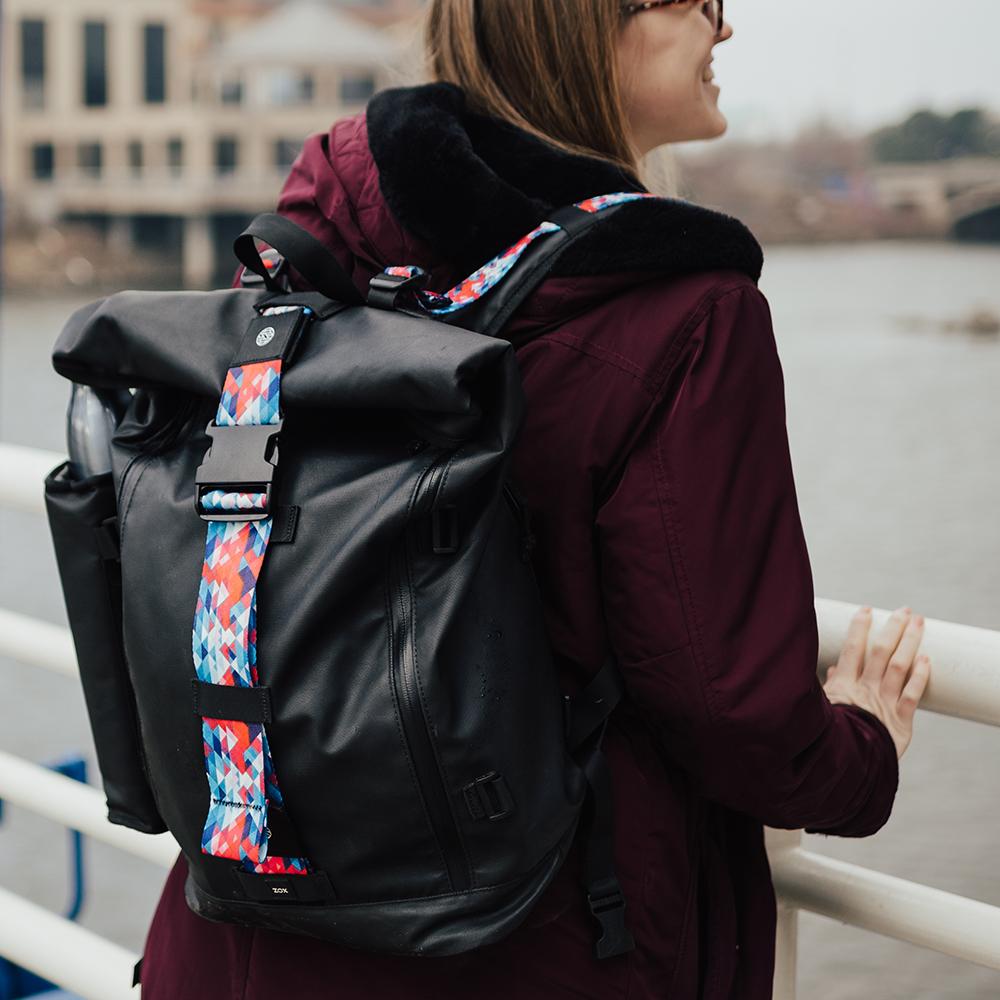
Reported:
(726, 33)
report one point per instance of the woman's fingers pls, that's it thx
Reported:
(884, 646)
(915, 688)
(852, 656)
(888, 680)
(900, 662)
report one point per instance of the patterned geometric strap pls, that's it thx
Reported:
(479, 283)
(241, 777)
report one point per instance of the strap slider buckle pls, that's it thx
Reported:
(488, 797)
(385, 290)
(607, 904)
(234, 481)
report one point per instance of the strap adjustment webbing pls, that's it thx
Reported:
(387, 289)
(233, 495)
(587, 717)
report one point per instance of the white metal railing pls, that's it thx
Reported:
(37, 643)
(21, 473)
(49, 945)
(965, 684)
(965, 678)
(957, 926)
(77, 959)
(78, 806)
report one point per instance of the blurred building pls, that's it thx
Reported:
(386, 13)
(167, 124)
(823, 187)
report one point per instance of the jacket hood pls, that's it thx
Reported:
(419, 178)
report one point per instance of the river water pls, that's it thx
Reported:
(894, 423)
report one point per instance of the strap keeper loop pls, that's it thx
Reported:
(444, 530)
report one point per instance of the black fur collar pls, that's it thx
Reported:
(469, 186)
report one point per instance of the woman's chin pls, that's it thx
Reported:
(716, 122)
(722, 124)
(710, 126)
(708, 123)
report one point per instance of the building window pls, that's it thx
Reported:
(43, 161)
(90, 158)
(33, 63)
(231, 90)
(95, 64)
(175, 157)
(285, 152)
(134, 153)
(154, 48)
(356, 87)
(226, 155)
(289, 87)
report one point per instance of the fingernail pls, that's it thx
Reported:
(919, 620)
(902, 611)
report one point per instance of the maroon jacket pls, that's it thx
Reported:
(655, 460)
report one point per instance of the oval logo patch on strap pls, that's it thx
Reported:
(265, 336)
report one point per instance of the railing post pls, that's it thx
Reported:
(786, 942)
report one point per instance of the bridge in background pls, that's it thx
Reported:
(959, 196)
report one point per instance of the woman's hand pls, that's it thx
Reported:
(890, 680)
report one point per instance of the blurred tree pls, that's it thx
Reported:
(926, 136)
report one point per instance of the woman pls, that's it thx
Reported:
(655, 460)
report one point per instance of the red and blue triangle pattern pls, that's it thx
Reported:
(490, 274)
(241, 777)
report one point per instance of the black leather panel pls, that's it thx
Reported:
(397, 676)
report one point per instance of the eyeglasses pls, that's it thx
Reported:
(712, 10)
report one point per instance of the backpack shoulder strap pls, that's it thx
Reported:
(486, 300)
(532, 268)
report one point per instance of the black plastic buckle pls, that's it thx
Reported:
(607, 904)
(241, 459)
(384, 290)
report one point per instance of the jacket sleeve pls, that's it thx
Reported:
(709, 598)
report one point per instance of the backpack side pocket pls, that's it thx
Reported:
(81, 517)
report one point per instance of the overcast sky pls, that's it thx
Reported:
(863, 62)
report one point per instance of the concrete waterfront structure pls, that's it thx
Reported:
(168, 123)
(941, 194)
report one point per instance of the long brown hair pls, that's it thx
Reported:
(546, 66)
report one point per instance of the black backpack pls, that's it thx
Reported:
(390, 764)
